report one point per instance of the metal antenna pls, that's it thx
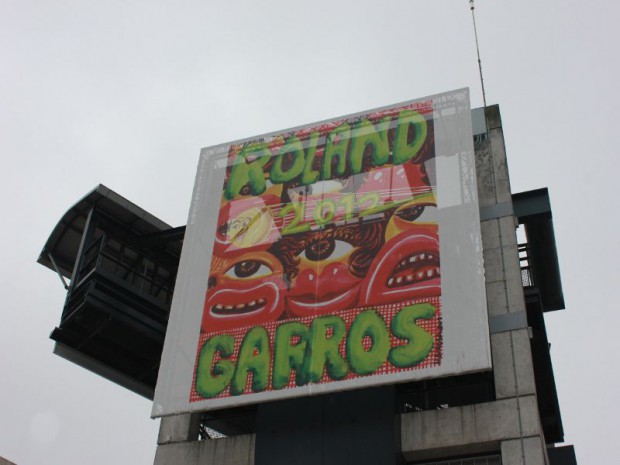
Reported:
(473, 17)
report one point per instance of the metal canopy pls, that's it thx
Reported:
(122, 262)
(63, 243)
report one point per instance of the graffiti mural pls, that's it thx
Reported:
(326, 264)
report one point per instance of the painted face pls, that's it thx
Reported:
(419, 214)
(246, 285)
(245, 289)
(324, 283)
(407, 266)
(327, 267)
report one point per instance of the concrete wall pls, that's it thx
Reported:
(178, 444)
(469, 429)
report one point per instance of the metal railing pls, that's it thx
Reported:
(128, 264)
(527, 268)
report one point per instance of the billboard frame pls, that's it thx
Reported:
(465, 335)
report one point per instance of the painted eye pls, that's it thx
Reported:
(326, 248)
(248, 269)
(418, 213)
(342, 248)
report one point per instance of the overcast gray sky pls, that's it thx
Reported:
(125, 93)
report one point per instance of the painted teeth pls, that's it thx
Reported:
(421, 275)
(239, 307)
(422, 256)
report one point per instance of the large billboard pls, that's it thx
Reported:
(332, 256)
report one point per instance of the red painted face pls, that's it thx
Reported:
(324, 283)
(327, 267)
(245, 289)
(408, 265)
(246, 285)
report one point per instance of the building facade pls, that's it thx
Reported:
(509, 415)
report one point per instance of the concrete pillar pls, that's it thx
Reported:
(179, 428)
(526, 451)
(510, 345)
(178, 444)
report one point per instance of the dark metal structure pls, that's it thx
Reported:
(540, 275)
(121, 262)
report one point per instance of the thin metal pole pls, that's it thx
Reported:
(64, 283)
(473, 17)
